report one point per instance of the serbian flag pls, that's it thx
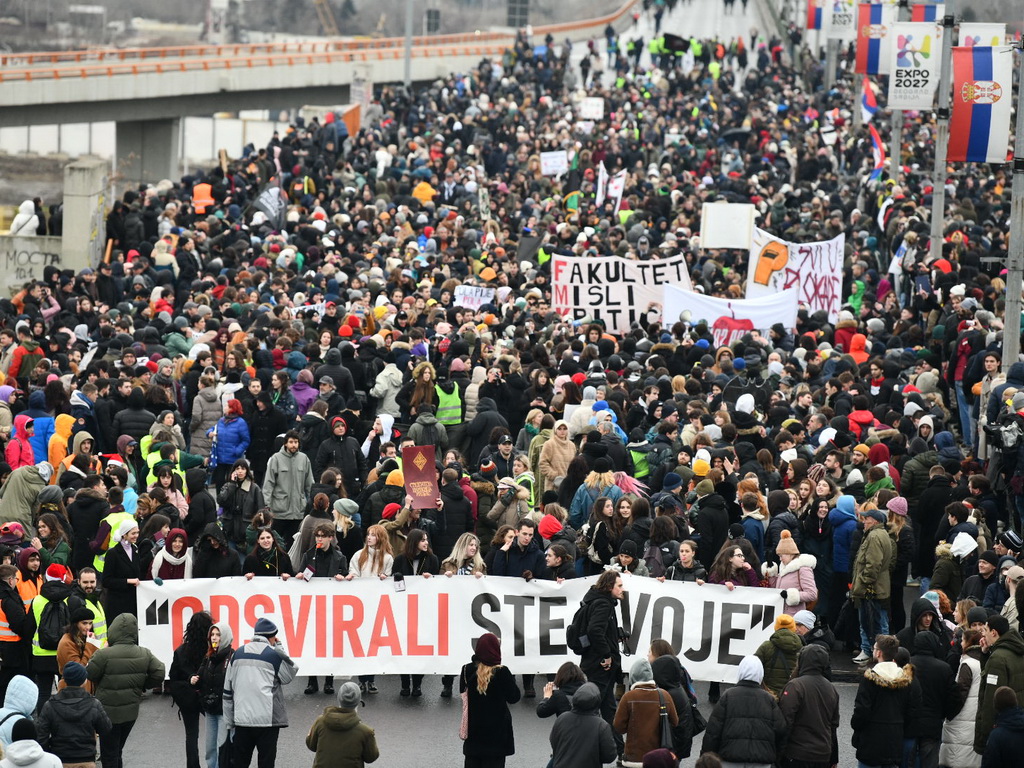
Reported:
(979, 129)
(814, 14)
(927, 11)
(873, 30)
(868, 102)
(878, 151)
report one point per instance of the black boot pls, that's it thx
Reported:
(329, 686)
(312, 687)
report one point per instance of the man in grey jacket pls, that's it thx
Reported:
(286, 486)
(581, 738)
(254, 711)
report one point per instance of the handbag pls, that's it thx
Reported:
(667, 741)
(464, 723)
(699, 723)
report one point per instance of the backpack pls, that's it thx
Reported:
(54, 619)
(576, 633)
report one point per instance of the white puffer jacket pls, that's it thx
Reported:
(957, 750)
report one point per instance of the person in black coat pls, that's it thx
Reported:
(135, 420)
(86, 513)
(342, 451)
(265, 424)
(69, 721)
(601, 661)
(882, 710)
(938, 695)
(490, 737)
(211, 558)
(15, 654)
(457, 514)
(668, 675)
(1006, 742)
(122, 569)
(746, 725)
(188, 658)
(478, 431)
(323, 561)
(712, 523)
(211, 682)
(557, 696)
(202, 508)
(810, 704)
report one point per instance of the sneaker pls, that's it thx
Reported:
(362, 687)
(416, 693)
(861, 658)
(311, 689)
(405, 692)
(371, 688)
(446, 692)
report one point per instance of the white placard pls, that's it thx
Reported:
(472, 296)
(592, 108)
(726, 225)
(554, 163)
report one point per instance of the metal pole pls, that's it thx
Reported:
(896, 135)
(942, 134)
(831, 61)
(1015, 260)
(407, 78)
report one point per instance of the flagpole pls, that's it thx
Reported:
(896, 129)
(942, 134)
(1015, 260)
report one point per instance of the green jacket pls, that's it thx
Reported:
(1005, 666)
(18, 495)
(778, 656)
(177, 344)
(914, 478)
(871, 566)
(123, 670)
(340, 740)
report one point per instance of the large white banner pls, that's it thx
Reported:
(611, 288)
(815, 268)
(730, 320)
(914, 64)
(365, 626)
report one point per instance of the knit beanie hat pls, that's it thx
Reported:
(786, 545)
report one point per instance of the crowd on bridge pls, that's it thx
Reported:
(231, 393)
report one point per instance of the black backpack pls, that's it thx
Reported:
(54, 618)
(576, 633)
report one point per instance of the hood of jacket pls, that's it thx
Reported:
(1015, 375)
(213, 531)
(21, 430)
(124, 630)
(25, 752)
(195, 480)
(813, 660)
(587, 699)
(333, 356)
(226, 636)
(22, 695)
(426, 419)
(209, 394)
(667, 672)
(845, 508)
(453, 491)
(888, 674)
(798, 562)
(63, 425)
(928, 644)
(486, 404)
(920, 607)
(1011, 641)
(787, 640)
(1011, 719)
(56, 591)
(80, 438)
(37, 400)
(339, 719)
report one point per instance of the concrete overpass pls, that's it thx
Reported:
(147, 91)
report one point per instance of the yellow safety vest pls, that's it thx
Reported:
(37, 610)
(114, 519)
(99, 622)
(449, 406)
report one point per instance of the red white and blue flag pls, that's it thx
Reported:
(874, 33)
(927, 12)
(868, 102)
(814, 14)
(878, 152)
(979, 129)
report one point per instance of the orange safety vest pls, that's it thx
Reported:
(28, 590)
(7, 635)
(202, 197)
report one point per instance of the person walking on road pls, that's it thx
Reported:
(339, 737)
(253, 699)
(491, 687)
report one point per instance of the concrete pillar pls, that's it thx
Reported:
(85, 212)
(147, 150)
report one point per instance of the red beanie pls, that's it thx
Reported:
(391, 511)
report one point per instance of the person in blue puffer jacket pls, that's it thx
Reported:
(844, 525)
(230, 440)
(43, 424)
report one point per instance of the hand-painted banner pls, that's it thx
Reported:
(914, 65)
(982, 35)
(979, 130)
(613, 289)
(730, 320)
(816, 268)
(365, 626)
(840, 21)
(874, 37)
(472, 296)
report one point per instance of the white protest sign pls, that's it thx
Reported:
(554, 163)
(365, 627)
(592, 108)
(472, 296)
(726, 225)
(613, 289)
(766, 273)
(728, 319)
(914, 65)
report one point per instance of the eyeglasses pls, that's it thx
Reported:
(322, 536)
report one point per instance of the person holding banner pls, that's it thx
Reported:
(324, 561)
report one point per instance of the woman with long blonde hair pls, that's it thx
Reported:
(465, 558)
(491, 687)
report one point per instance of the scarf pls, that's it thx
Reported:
(164, 555)
(872, 488)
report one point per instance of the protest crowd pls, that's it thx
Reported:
(233, 391)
